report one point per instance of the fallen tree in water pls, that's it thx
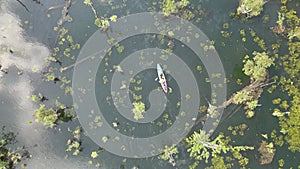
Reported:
(248, 96)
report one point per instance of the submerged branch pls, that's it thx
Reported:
(248, 88)
(20, 2)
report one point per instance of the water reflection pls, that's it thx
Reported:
(24, 60)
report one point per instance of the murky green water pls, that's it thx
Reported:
(16, 110)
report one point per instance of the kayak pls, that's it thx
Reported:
(162, 78)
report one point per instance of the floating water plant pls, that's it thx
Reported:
(239, 129)
(10, 155)
(288, 110)
(138, 110)
(94, 154)
(200, 147)
(74, 144)
(267, 152)
(172, 7)
(46, 116)
(168, 154)
(250, 8)
(101, 22)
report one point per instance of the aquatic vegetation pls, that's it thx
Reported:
(169, 7)
(295, 33)
(267, 152)
(65, 15)
(277, 139)
(256, 69)
(10, 155)
(279, 28)
(200, 147)
(168, 154)
(288, 110)
(105, 139)
(138, 110)
(239, 129)
(46, 116)
(50, 117)
(281, 163)
(172, 7)
(250, 8)
(94, 154)
(101, 22)
(74, 144)
(218, 162)
(218, 152)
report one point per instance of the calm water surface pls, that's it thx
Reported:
(16, 110)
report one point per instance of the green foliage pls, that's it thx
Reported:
(290, 126)
(10, 155)
(46, 116)
(251, 105)
(241, 97)
(138, 110)
(280, 28)
(172, 7)
(294, 33)
(87, 2)
(74, 144)
(238, 129)
(288, 110)
(168, 153)
(169, 7)
(278, 140)
(7, 138)
(4, 164)
(101, 22)
(250, 8)
(267, 152)
(94, 154)
(257, 68)
(281, 162)
(218, 163)
(201, 147)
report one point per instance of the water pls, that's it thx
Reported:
(33, 32)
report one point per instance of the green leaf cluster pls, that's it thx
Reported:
(257, 68)
(241, 97)
(218, 162)
(74, 144)
(101, 22)
(46, 116)
(4, 164)
(201, 147)
(138, 110)
(288, 110)
(10, 155)
(168, 153)
(250, 8)
(170, 7)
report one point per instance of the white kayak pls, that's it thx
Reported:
(162, 78)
